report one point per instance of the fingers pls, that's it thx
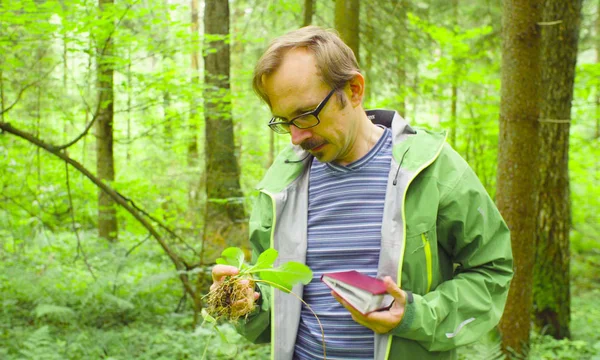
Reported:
(379, 321)
(393, 289)
(221, 271)
(355, 314)
(249, 296)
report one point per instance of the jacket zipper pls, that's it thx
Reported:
(399, 282)
(271, 244)
(427, 247)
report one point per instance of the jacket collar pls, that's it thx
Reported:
(293, 160)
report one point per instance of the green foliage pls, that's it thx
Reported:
(283, 277)
(54, 312)
(232, 256)
(53, 307)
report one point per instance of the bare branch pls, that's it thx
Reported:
(137, 245)
(179, 265)
(79, 247)
(173, 234)
(23, 89)
(84, 133)
(95, 117)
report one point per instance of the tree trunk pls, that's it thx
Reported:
(308, 12)
(192, 147)
(225, 217)
(518, 146)
(402, 58)
(453, 105)
(193, 127)
(107, 217)
(65, 81)
(168, 62)
(129, 103)
(1, 94)
(551, 290)
(598, 61)
(346, 23)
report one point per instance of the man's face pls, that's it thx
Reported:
(295, 88)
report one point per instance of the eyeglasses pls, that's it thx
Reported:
(303, 121)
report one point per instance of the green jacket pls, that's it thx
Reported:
(442, 238)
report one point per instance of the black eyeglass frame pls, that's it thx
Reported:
(280, 126)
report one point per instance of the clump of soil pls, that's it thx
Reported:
(229, 299)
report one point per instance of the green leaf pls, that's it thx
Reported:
(233, 256)
(54, 311)
(287, 275)
(266, 259)
(207, 317)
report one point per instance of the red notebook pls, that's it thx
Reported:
(364, 293)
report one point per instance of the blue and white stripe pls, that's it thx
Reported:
(345, 209)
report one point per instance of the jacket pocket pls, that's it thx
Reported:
(420, 262)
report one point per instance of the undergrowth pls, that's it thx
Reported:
(52, 308)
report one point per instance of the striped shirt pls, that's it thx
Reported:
(345, 210)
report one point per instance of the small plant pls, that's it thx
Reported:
(233, 291)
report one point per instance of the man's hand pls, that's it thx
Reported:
(220, 272)
(380, 321)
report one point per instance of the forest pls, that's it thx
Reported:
(131, 144)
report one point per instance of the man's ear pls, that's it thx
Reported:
(357, 89)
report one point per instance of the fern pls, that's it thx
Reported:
(54, 312)
(121, 304)
(40, 346)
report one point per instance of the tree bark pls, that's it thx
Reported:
(308, 12)
(598, 61)
(225, 222)
(129, 103)
(453, 105)
(192, 133)
(193, 125)
(517, 184)
(107, 217)
(402, 58)
(347, 23)
(1, 95)
(551, 290)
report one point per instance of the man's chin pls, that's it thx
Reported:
(322, 156)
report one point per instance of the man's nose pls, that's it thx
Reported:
(299, 135)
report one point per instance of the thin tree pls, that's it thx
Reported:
(347, 23)
(225, 215)
(598, 62)
(518, 147)
(401, 83)
(454, 100)
(105, 165)
(192, 141)
(551, 290)
(309, 10)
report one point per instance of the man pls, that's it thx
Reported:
(364, 191)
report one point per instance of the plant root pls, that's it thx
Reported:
(230, 300)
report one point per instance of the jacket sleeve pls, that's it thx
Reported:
(256, 327)
(460, 310)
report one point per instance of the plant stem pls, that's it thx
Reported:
(309, 308)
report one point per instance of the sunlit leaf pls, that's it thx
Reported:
(287, 275)
(233, 256)
(266, 259)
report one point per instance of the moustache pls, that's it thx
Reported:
(311, 144)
